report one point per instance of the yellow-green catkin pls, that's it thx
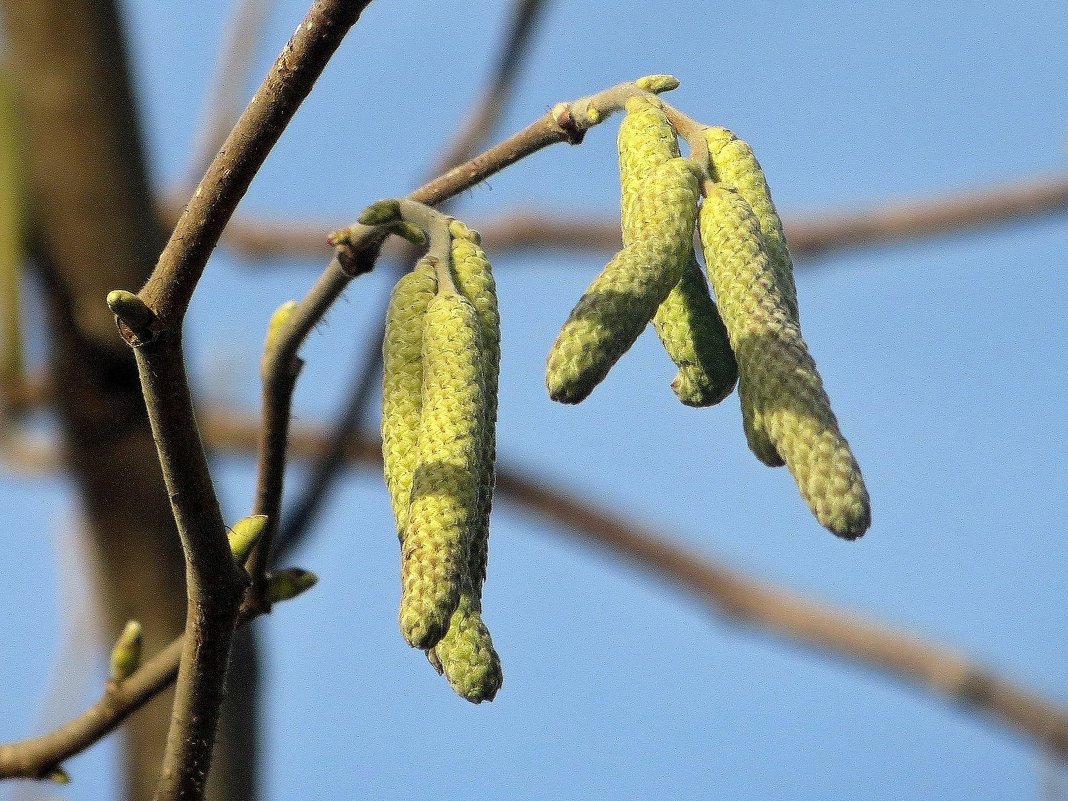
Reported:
(623, 298)
(436, 543)
(465, 655)
(776, 370)
(734, 164)
(402, 358)
(687, 322)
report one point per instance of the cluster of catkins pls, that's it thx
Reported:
(753, 337)
(439, 412)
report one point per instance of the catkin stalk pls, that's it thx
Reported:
(623, 298)
(436, 544)
(402, 387)
(687, 322)
(776, 371)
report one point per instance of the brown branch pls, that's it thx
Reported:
(213, 582)
(480, 125)
(811, 234)
(224, 98)
(289, 81)
(915, 662)
(36, 757)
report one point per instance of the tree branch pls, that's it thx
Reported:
(916, 663)
(197, 232)
(811, 234)
(213, 581)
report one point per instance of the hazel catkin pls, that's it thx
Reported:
(444, 509)
(465, 654)
(776, 371)
(687, 322)
(734, 164)
(402, 387)
(623, 298)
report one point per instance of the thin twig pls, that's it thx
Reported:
(810, 234)
(214, 584)
(225, 96)
(289, 81)
(480, 125)
(916, 663)
(482, 120)
(358, 244)
(905, 657)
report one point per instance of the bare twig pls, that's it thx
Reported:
(811, 234)
(225, 96)
(914, 662)
(480, 125)
(214, 585)
(182, 262)
(483, 119)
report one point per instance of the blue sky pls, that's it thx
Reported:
(945, 361)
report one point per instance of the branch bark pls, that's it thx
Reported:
(213, 581)
(811, 235)
(916, 663)
(93, 216)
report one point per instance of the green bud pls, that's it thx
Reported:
(126, 655)
(279, 320)
(285, 585)
(245, 533)
(381, 212)
(129, 308)
(58, 775)
(657, 83)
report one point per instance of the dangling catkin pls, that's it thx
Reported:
(776, 370)
(402, 387)
(465, 655)
(623, 298)
(436, 543)
(687, 322)
(735, 164)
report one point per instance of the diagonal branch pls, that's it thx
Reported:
(916, 663)
(811, 235)
(152, 323)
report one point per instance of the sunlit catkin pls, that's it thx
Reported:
(436, 543)
(735, 164)
(465, 655)
(687, 322)
(402, 387)
(623, 298)
(775, 367)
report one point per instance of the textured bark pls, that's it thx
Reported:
(95, 232)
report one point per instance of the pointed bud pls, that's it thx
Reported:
(126, 655)
(279, 320)
(380, 212)
(58, 776)
(287, 584)
(245, 533)
(657, 83)
(129, 308)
